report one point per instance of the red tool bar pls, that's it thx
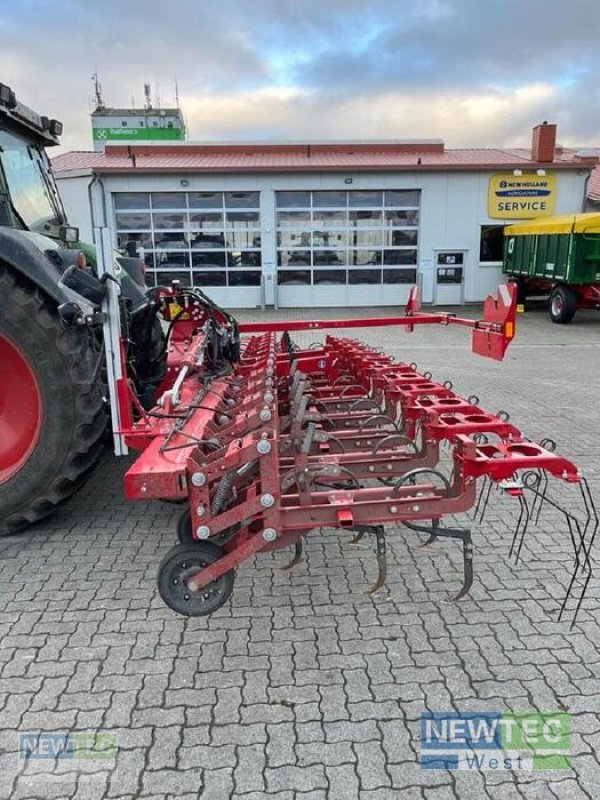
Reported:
(280, 326)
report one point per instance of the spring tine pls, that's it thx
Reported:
(486, 501)
(379, 532)
(542, 498)
(479, 498)
(526, 517)
(356, 539)
(298, 550)
(465, 535)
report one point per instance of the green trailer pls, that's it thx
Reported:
(558, 257)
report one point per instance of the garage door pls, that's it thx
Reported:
(351, 248)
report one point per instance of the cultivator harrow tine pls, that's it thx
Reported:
(297, 558)
(379, 532)
(521, 528)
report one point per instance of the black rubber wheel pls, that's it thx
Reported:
(563, 305)
(56, 366)
(182, 561)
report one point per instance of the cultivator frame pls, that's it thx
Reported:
(262, 442)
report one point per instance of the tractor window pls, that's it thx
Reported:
(29, 192)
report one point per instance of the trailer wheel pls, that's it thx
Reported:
(563, 305)
(51, 415)
(181, 562)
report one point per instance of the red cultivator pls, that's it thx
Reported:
(264, 442)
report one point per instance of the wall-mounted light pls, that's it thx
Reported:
(541, 172)
(517, 172)
(348, 180)
(184, 182)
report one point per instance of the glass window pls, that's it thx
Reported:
(491, 243)
(399, 219)
(206, 220)
(360, 257)
(293, 219)
(329, 219)
(399, 256)
(173, 258)
(212, 240)
(164, 278)
(205, 200)
(326, 257)
(293, 258)
(329, 239)
(242, 239)
(402, 198)
(242, 219)
(169, 200)
(141, 240)
(365, 219)
(202, 279)
(364, 276)
(133, 222)
(366, 199)
(400, 276)
(293, 277)
(293, 199)
(329, 276)
(366, 238)
(294, 238)
(241, 199)
(131, 200)
(171, 240)
(401, 238)
(329, 199)
(163, 221)
(244, 258)
(245, 278)
(213, 259)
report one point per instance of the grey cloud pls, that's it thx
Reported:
(334, 53)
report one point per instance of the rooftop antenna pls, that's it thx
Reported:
(97, 90)
(148, 105)
(157, 94)
(176, 93)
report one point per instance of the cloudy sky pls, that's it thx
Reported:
(472, 72)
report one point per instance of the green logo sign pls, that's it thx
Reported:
(137, 134)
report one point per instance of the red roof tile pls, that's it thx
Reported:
(594, 185)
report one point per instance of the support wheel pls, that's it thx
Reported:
(185, 560)
(563, 304)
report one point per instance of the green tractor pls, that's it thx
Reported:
(53, 393)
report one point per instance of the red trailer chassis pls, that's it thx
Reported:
(264, 449)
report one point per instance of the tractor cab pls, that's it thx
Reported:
(29, 199)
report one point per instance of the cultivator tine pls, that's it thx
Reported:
(465, 535)
(297, 558)
(432, 530)
(521, 529)
(356, 539)
(379, 532)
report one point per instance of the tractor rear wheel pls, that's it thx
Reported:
(51, 415)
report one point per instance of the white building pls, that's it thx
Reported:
(328, 223)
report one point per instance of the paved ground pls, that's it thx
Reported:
(302, 686)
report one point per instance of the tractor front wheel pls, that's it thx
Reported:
(51, 416)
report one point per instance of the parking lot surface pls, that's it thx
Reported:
(302, 686)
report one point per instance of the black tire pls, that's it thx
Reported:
(73, 417)
(563, 305)
(183, 560)
(521, 291)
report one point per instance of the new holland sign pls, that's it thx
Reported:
(521, 196)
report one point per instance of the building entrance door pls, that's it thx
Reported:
(449, 277)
